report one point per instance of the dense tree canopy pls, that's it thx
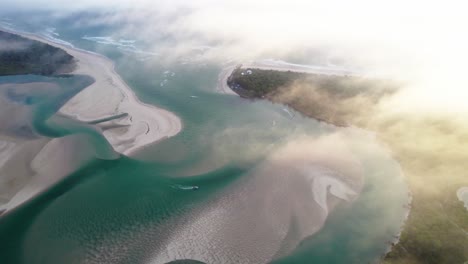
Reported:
(19, 55)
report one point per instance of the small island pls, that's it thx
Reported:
(435, 230)
(20, 56)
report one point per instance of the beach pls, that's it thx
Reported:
(222, 86)
(32, 164)
(110, 95)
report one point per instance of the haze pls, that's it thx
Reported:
(420, 43)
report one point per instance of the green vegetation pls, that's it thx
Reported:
(329, 98)
(432, 152)
(260, 82)
(19, 56)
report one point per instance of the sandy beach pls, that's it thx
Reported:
(222, 86)
(146, 123)
(30, 165)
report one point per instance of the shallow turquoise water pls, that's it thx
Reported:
(112, 204)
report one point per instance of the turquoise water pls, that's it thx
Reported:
(127, 208)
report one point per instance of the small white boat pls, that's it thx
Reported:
(185, 187)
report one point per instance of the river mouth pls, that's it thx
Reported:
(224, 172)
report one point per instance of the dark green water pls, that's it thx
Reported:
(124, 210)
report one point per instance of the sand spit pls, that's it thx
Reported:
(222, 86)
(147, 124)
(110, 95)
(30, 163)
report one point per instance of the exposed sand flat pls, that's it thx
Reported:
(148, 124)
(30, 163)
(19, 144)
(110, 95)
(284, 200)
(38, 164)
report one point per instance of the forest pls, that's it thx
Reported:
(19, 56)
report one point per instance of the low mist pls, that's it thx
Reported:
(421, 44)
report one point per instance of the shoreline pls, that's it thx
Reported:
(147, 123)
(284, 67)
(223, 77)
(30, 167)
(407, 244)
(274, 65)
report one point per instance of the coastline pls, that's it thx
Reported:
(274, 65)
(431, 198)
(278, 65)
(147, 123)
(284, 67)
(223, 77)
(27, 167)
